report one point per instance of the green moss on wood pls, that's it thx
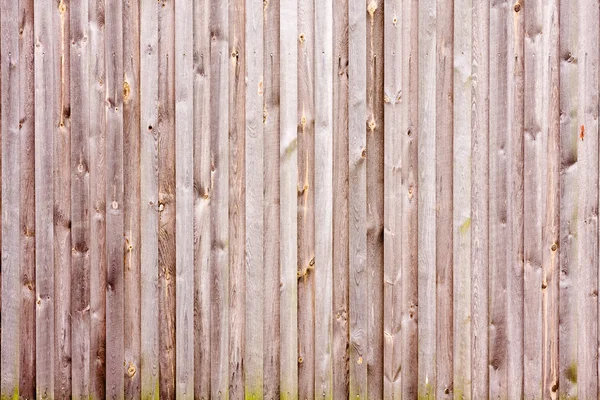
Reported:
(14, 396)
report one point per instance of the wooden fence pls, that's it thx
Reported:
(299, 199)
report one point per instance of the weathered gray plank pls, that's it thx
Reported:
(149, 357)
(80, 201)
(271, 200)
(480, 200)
(357, 203)
(11, 198)
(288, 191)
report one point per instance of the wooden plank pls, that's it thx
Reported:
(166, 196)
(237, 196)
(131, 196)
(254, 346)
(534, 155)
(444, 199)
(45, 90)
(149, 344)
(357, 203)
(11, 197)
(184, 181)
(97, 200)
(409, 108)
(587, 201)
(374, 128)
(80, 201)
(427, 115)
(219, 259)
(340, 231)
(62, 202)
(306, 200)
(202, 200)
(323, 170)
(480, 200)
(113, 56)
(288, 187)
(461, 184)
(271, 198)
(551, 234)
(27, 211)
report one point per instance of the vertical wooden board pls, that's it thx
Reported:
(374, 128)
(80, 201)
(271, 95)
(97, 127)
(202, 199)
(149, 340)
(306, 199)
(480, 200)
(45, 90)
(461, 185)
(166, 196)
(237, 196)
(498, 212)
(444, 200)
(219, 160)
(534, 153)
(340, 351)
(115, 246)
(409, 218)
(254, 346)
(427, 224)
(357, 153)
(27, 382)
(132, 200)
(587, 201)
(323, 199)
(62, 200)
(288, 191)
(392, 235)
(551, 227)
(184, 180)
(11, 197)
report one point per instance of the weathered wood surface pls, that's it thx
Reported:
(296, 199)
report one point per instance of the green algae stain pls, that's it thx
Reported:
(571, 373)
(464, 228)
(427, 392)
(14, 396)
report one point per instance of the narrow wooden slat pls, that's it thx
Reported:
(149, 341)
(97, 204)
(27, 212)
(480, 200)
(357, 203)
(184, 180)
(323, 200)
(237, 196)
(461, 184)
(11, 198)
(254, 346)
(166, 196)
(44, 195)
(427, 114)
(551, 233)
(409, 108)
(340, 271)
(288, 187)
(271, 200)
(202, 200)
(131, 195)
(374, 128)
(219, 150)
(586, 56)
(113, 56)
(80, 201)
(444, 199)
(62, 201)
(306, 199)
